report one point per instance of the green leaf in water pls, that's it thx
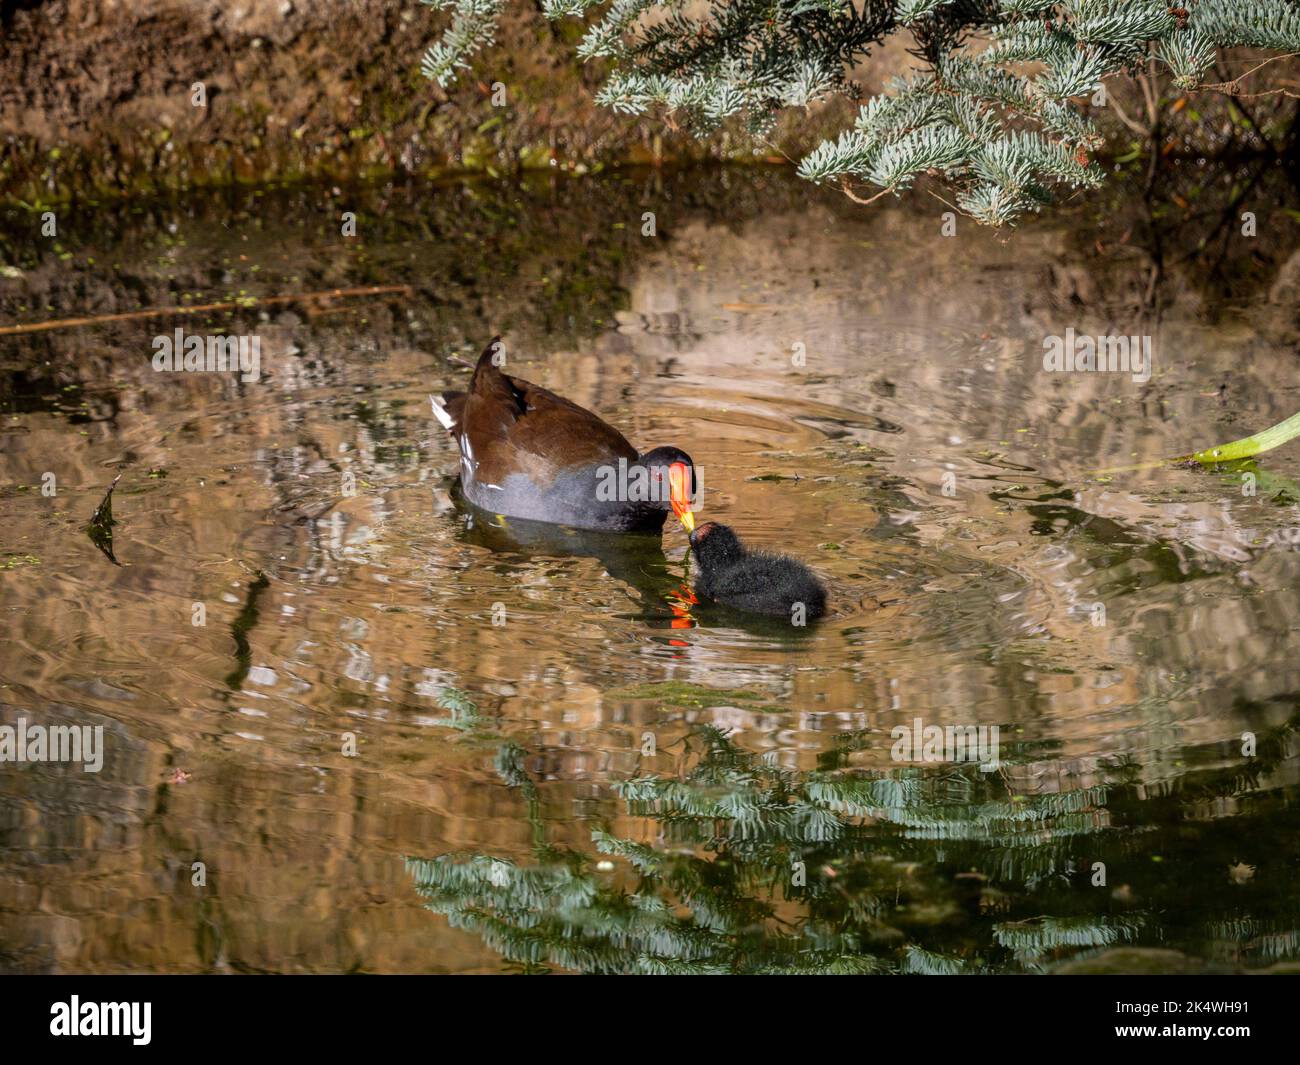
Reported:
(1266, 440)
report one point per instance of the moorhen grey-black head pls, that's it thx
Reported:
(527, 453)
(753, 581)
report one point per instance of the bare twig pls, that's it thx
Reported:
(779, 150)
(1231, 86)
(201, 308)
(1235, 102)
(1123, 116)
(1251, 95)
(844, 188)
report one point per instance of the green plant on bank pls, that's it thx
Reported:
(995, 107)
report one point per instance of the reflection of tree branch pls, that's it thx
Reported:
(878, 851)
(241, 627)
(1150, 93)
(203, 308)
(1226, 218)
(510, 768)
(100, 529)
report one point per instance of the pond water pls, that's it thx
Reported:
(410, 738)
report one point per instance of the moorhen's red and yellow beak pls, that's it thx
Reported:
(679, 494)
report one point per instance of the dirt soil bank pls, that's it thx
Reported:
(98, 100)
(96, 96)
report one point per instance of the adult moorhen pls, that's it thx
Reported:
(527, 453)
(753, 581)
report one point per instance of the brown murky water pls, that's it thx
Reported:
(858, 391)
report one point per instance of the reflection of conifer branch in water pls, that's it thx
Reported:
(509, 764)
(731, 804)
(927, 963)
(1044, 935)
(717, 894)
(464, 710)
(563, 914)
(465, 716)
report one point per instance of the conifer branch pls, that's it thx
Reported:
(999, 122)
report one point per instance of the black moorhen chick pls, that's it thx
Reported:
(731, 574)
(527, 453)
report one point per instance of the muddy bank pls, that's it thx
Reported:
(98, 97)
(105, 98)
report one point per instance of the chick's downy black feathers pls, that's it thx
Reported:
(752, 581)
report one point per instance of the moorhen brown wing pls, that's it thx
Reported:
(527, 453)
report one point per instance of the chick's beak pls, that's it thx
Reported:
(679, 494)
